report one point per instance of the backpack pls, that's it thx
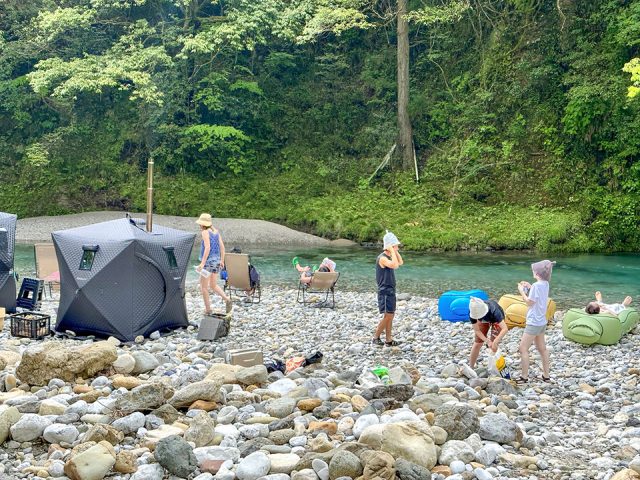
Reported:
(254, 276)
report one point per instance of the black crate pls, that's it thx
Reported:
(30, 325)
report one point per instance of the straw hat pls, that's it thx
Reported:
(477, 308)
(204, 220)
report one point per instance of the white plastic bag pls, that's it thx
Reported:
(498, 366)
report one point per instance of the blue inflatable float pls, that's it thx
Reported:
(453, 306)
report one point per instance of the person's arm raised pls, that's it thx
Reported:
(390, 263)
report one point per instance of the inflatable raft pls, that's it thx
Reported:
(453, 306)
(515, 310)
(601, 328)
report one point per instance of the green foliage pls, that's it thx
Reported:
(525, 132)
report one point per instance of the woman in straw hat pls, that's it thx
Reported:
(211, 260)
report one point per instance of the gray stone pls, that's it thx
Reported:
(256, 375)
(208, 390)
(143, 397)
(60, 433)
(345, 464)
(410, 471)
(459, 420)
(29, 427)
(145, 362)
(456, 450)
(280, 407)
(253, 466)
(497, 427)
(130, 423)
(176, 455)
(152, 471)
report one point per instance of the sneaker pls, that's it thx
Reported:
(377, 341)
(229, 305)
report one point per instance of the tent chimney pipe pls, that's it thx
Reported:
(150, 195)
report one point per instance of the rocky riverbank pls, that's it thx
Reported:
(169, 407)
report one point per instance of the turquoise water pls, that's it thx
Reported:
(574, 280)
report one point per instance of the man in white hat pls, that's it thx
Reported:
(485, 315)
(386, 264)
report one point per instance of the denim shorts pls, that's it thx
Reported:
(535, 329)
(212, 266)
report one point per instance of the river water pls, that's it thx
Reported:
(574, 280)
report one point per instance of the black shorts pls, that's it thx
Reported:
(387, 302)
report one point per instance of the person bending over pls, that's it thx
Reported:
(487, 319)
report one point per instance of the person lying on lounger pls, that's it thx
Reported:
(306, 273)
(612, 308)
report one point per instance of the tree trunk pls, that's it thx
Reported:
(405, 132)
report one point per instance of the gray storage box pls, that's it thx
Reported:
(214, 326)
(245, 357)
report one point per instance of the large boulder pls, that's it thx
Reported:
(459, 420)
(497, 427)
(224, 372)
(43, 361)
(412, 441)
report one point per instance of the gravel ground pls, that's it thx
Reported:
(234, 231)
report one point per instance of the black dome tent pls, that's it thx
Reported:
(118, 279)
(7, 247)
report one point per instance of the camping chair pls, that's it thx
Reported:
(321, 282)
(238, 280)
(47, 265)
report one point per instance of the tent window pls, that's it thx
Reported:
(171, 257)
(88, 256)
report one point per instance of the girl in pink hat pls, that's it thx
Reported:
(536, 297)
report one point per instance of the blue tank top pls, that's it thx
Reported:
(214, 247)
(385, 277)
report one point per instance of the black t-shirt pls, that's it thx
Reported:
(494, 315)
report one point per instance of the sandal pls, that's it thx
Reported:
(392, 343)
(546, 379)
(295, 261)
(522, 380)
(377, 341)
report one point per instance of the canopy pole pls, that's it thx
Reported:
(150, 195)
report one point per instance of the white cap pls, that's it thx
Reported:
(389, 240)
(477, 308)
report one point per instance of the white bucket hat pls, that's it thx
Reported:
(477, 308)
(389, 240)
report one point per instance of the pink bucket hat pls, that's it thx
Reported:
(543, 269)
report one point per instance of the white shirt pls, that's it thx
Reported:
(537, 313)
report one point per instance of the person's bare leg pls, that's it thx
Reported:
(204, 288)
(381, 326)
(213, 282)
(599, 296)
(541, 345)
(475, 351)
(525, 344)
(389, 325)
(627, 301)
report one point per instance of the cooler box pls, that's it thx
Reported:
(453, 306)
(245, 357)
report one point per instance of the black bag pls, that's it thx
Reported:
(315, 358)
(274, 365)
(254, 276)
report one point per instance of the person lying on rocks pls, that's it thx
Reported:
(306, 272)
(612, 308)
(487, 319)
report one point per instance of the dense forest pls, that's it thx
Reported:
(520, 116)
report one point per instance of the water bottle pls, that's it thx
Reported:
(385, 380)
(203, 272)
